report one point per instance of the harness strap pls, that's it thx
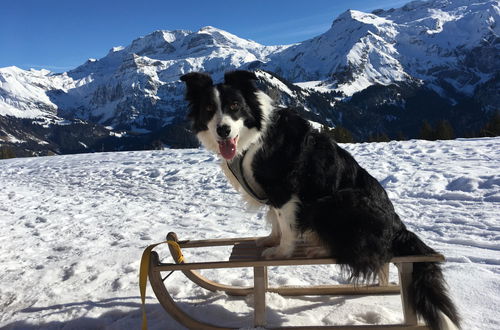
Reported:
(236, 167)
(144, 272)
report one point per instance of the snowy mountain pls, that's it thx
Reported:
(358, 51)
(428, 41)
(136, 85)
(441, 56)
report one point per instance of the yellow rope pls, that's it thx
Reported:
(176, 246)
(144, 271)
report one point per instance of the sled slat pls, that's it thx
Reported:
(405, 277)
(250, 262)
(383, 275)
(337, 289)
(359, 327)
(243, 263)
(259, 295)
(214, 242)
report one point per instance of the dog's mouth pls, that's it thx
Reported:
(227, 148)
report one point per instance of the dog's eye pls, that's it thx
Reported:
(210, 108)
(234, 106)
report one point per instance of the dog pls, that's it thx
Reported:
(311, 185)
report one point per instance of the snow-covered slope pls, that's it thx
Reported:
(73, 230)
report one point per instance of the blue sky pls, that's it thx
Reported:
(61, 34)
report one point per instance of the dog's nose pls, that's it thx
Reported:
(223, 131)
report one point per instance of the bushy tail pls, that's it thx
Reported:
(361, 235)
(428, 291)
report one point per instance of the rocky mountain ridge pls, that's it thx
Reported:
(384, 71)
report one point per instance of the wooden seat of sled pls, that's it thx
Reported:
(245, 253)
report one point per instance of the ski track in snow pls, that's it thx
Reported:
(73, 229)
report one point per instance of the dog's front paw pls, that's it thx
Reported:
(317, 252)
(278, 252)
(268, 241)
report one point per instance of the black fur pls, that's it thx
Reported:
(241, 109)
(242, 81)
(199, 94)
(339, 200)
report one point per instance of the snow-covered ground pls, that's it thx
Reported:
(73, 229)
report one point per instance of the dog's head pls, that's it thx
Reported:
(229, 117)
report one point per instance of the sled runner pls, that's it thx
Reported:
(245, 253)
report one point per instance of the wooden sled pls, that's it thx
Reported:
(246, 254)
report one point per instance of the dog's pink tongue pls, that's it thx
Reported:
(227, 148)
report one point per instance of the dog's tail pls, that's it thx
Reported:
(365, 237)
(428, 292)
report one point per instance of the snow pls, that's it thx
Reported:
(11, 138)
(368, 18)
(317, 85)
(274, 82)
(315, 124)
(74, 227)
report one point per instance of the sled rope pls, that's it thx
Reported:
(144, 271)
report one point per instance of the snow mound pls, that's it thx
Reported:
(74, 228)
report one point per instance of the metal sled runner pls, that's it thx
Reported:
(245, 253)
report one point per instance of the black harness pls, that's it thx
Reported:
(236, 167)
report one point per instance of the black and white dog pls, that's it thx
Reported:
(312, 186)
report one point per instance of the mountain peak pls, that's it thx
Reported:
(358, 17)
(224, 38)
(209, 28)
(158, 41)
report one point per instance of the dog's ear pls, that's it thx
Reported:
(241, 79)
(196, 82)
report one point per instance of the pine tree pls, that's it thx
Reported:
(427, 132)
(326, 130)
(379, 137)
(444, 131)
(400, 136)
(342, 135)
(492, 128)
(157, 144)
(339, 134)
(6, 152)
